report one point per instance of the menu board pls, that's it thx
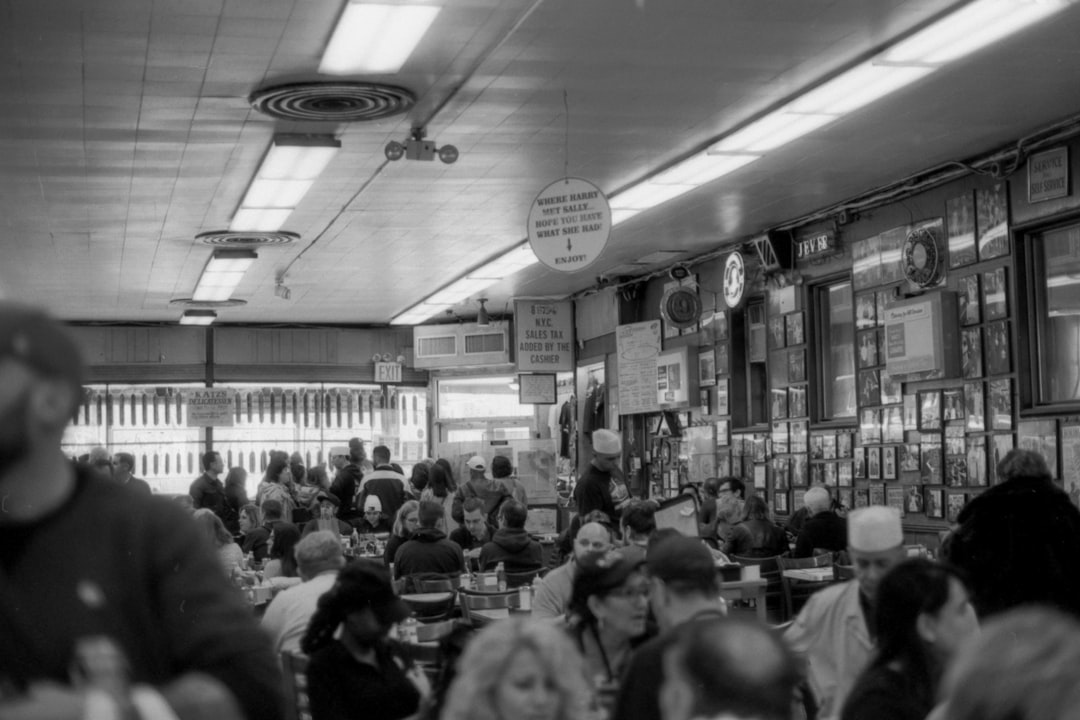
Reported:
(638, 347)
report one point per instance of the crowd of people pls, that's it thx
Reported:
(115, 603)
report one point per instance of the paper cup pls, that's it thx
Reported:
(751, 572)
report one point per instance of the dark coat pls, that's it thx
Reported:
(515, 548)
(428, 552)
(826, 530)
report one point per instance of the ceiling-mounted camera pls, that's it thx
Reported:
(417, 148)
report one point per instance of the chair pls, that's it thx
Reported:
(517, 579)
(432, 583)
(431, 607)
(797, 592)
(297, 703)
(473, 604)
(428, 655)
(774, 591)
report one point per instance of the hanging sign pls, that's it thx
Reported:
(569, 224)
(1048, 175)
(734, 279)
(210, 407)
(544, 335)
(388, 372)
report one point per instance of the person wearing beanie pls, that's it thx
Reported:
(593, 491)
(831, 632)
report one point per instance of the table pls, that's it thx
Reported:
(747, 590)
(818, 574)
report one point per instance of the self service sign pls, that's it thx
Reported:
(544, 335)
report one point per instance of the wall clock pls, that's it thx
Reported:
(922, 257)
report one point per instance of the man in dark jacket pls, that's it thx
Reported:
(475, 532)
(207, 490)
(346, 483)
(1019, 541)
(593, 490)
(511, 545)
(384, 482)
(429, 551)
(825, 530)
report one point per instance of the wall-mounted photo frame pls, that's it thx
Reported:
(968, 298)
(844, 444)
(873, 463)
(781, 473)
(954, 439)
(892, 424)
(930, 410)
(891, 388)
(877, 493)
(976, 461)
(913, 499)
(955, 502)
(999, 448)
(777, 332)
(935, 503)
(975, 406)
(723, 359)
(799, 471)
(909, 458)
(720, 325)
(845, 496)
(828, 446)
(911, 412)
(845, 474)
(996, 348)
(723, 432)
(895, 498)
(797, 401)
(862, 497)
(1040, 436)
(869, 388)
(956, 474)
(832, 475)
(995, 295)
(707, 367)
(870, 426)
(795, 331)
(780, 503)
(1000, 416)
(797, 366)
(778, 406)
(722, 397)
(865, 311)
(971, 363)
(992, 221)
(931, 457)
(780, 438)
(536, 389)
(868, 354)
(888, 463)
(952, 404)
(960, 226)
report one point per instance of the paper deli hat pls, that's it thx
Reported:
(606, 442)
(373, 503)
(339, 450)
(875, 528)
(477, 463)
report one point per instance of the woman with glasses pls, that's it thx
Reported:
(607, 616)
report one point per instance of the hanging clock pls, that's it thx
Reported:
(922, 257)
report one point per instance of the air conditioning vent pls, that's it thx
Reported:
(484, 343)
(436, 346)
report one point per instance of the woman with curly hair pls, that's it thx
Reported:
(355, 670)
(519, 669)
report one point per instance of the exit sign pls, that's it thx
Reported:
(387, 372)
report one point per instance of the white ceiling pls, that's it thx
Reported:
(125, 131)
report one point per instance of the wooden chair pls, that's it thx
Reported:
(774, 591)
(474, 603)
(796, 593)
(297, 703)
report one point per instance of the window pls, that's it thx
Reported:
(1054, 257)
(835, 346)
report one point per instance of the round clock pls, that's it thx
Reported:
(922, 258)
(734, 279)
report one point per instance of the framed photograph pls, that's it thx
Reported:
(975, 406)
(976, 461)
(893, 425)
(935, 503)
(536, 388)
(798, 433)
(956, 502)
(761, 477)
(870, 426)
(909, 458)
(797, 401)
(781, 473)
(832, 476)
(845, 475)
(1001, 446)
(882, 299)
(895, 498)
(797, 496)
(797, 366)
(960, 225)
(913, 499)
(828, 446)
(890, 388)
(992, 221)
(930, 410)
(877, 493)
(911, 412)
(845, 496)
(704, 395)
(859, 456)
(930, 453)
(862, 498)
(997, 349)
(1040, 436)
(720, 325)
(971, 365)
(776, 331)
(888, 463)
(843, 445)
(1001, 405)
(954, 439)
(795, 334)
(723, 359)
(995, 297)
(865, 311)
(956, 471)
(952, 404)
(817, 446)
(868, 355)
(779, 405)
(780, 502)
(799, 471)
(1070, 461)
(780, 437)
(707, 367)
(869, 388)
(873, 463)
(969, 300)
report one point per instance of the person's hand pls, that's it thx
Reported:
(45, 701)
(419, 680)
(473, 554)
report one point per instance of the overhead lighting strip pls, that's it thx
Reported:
(372, 38)
(222, 274)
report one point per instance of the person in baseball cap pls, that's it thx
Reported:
(477, 464)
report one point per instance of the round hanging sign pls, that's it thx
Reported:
(922, 258)
(569, 224)
(734, 279)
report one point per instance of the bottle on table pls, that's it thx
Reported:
(408, 630)
(102, 669)
(500, 577)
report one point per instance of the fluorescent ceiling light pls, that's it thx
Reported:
(646, 195)
(286, 173)
(458, 290)
(701, 169)
(198, 317)
(859, 86)
(772, 131)
(223, 274)
(374, 38)
(419, 313)
(508, 263)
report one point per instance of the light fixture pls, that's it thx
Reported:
(198, 317)
(288, 170)
(482, 319)
(417, 148)
(375, 38)
(223, 272)
(971, 27)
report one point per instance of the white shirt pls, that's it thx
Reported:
(287, 616)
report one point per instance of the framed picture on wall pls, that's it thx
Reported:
(952, 404)
(888, 463)
(913, 499)
(894, 498)
(781, 473)
(909, 458)
(930, 453)
(869, 388)
(868, 353)
(883, 298)
(956, 474)
(722, 397)
(797, 401)
(844, 474)
(795, 334)
(997, 348)
(1001, 405)
(865, 311)
(877, 493)
(969, 300)
(873, 463)
(935, 503)
(779, 405)
(930, 410)
(859, 456)
(992, 221)
(862, 497)
(971, 362)
(1000, 447)
(797, 366)
(955, 503)
(1041, 437)
(890, 388)
(723, 359)
(799, 471)
(893, 425)
(976, 461)
(995, 297)
(777, 331)
(975, 405)
(780, 503)
(960, 225)
(870, 426)
(707, 367)
(799, 439)
(846, 497)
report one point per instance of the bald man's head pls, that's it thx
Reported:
(727, 666)
(591, 538)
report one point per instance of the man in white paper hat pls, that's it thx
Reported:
(832, 630)
(593, 491)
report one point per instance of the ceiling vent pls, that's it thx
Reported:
(225, 238)
(332, 101)
(464, 345)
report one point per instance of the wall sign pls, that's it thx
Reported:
(387, 372)
(921, 337)
(210, 407)
(637, 346)
(544, 335)
(569, 224)
(734, 279)
(673, 378)
(536, 389)
(824, 242)
(1048, 175)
